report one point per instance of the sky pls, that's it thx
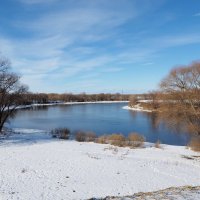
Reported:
(97, 46)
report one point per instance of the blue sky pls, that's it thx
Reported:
(98, 46)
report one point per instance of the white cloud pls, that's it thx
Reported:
(79, 24)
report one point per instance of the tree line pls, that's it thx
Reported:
(30, 98)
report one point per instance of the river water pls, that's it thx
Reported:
(102, 119)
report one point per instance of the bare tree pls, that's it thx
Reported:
(154, 99)
(133, 100)
(181, 97)
(11, 91)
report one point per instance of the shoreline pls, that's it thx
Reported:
(136, 108)
(37, 133)
(69, 103)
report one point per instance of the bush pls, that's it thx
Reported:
(117, 140)
(61, 133)
(80, 136)
(135, 140)
(85, 136)
(90, 136)
(194, 144)
(102, 139)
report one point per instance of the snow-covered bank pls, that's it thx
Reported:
(43, 168)
(69, 103)
(136, 108)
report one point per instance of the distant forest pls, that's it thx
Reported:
(69, 97)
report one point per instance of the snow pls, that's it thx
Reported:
(35, 166)
(136, 108)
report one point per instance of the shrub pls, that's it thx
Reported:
(102, 139)
(117, 140)
(80, 136)
(135, 140)
(61, 133)
(147, 106)
(90, 136)
(194, 143)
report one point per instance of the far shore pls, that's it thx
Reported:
(68, 103)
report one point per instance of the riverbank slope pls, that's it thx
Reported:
(35, 166)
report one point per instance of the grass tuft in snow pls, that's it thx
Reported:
(194, 144)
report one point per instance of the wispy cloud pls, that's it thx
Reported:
(197, 14)
(148, 63)
(177, 40)
(32, 2)
(84, 39)
(62, 42)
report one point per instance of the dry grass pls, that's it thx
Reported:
(117, 140)
(158, 144)
(194, 144)
(85, 136)
(135, 140)
(102, 139)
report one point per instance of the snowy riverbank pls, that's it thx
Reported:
(35, 166)
(136, 108)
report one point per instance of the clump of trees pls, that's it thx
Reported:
(148, 101)
(180, 104)
(177, 103)
(11, 91)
